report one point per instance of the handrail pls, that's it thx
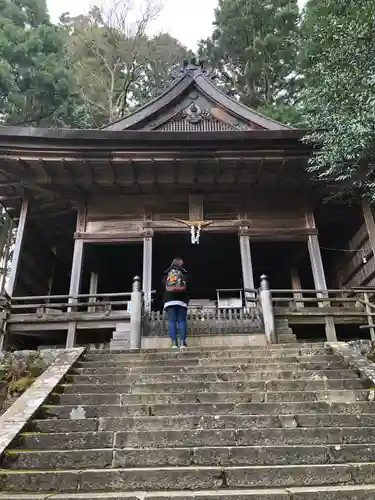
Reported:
(62, 297)
(364, 302)
(312, 291)
(370, 321)
(314, 299)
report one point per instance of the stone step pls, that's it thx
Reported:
(116, 424)
(106, 376)
(184, 457)
(186, 478)
(79, 410)
(212, 387)
(194, 361)
(197, 354)
(333, 396)
(195, 438)
(272, 347)
(340, 492)
(91, 368)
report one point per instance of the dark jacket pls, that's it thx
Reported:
(183, 296)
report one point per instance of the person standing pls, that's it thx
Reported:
(176, 301)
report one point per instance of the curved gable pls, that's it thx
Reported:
(193, 103)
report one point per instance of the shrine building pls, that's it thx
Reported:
(192, 174)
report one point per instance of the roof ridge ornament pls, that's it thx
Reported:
(192, 63)
(195, 64)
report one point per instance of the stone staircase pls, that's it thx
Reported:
(283, 423)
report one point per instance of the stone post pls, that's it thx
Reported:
(265, 297)
(128, 334)
(136, 315)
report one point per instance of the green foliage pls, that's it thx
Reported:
(85, 72)
(19, 373)
(117, 65)
(34, 81)
(339, 96)
(254, 49)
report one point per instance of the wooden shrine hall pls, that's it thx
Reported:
(194, 174)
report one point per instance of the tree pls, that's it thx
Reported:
(254, 48)
(34, 82)
(339, 98)
(116, 63)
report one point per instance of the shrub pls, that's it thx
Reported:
(19, 373)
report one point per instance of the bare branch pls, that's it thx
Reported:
(118, 62)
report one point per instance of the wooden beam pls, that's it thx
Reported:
(246, 261)
(320, 282)
(296, 286)
(370, 223)
(17, 249)
(75, 277)
(128, 236)
(196, 207)
(8, 245)
(93, 290)
(316, 263)
(147, 271)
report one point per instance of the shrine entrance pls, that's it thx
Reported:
(212, 264)
(115, 266)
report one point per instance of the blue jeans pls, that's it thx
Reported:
(177, 314)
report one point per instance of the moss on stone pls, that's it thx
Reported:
(17, 374)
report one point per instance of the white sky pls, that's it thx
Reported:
(188, 21)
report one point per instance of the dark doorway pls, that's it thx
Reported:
(116, 266)
(275, 259)
(214, 263)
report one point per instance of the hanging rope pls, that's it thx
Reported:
(364, 258)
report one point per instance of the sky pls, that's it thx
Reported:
(187, 21)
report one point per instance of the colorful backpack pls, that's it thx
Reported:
(175, 281)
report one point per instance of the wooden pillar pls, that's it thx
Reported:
(316, 263)
(296, 286)
(17, 249)
(247, 265)
(5, 245)
(267, 310)
(320, 283)
(93, 290)
(147, 271)
(75, 282)
(370, 223)
(75, 275)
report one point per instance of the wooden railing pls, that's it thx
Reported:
(63, 313)
(337, 301)
(213, 321)
(58, 304)
(299, 299)
(252, 311)
(332, 306)
(231, 315)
